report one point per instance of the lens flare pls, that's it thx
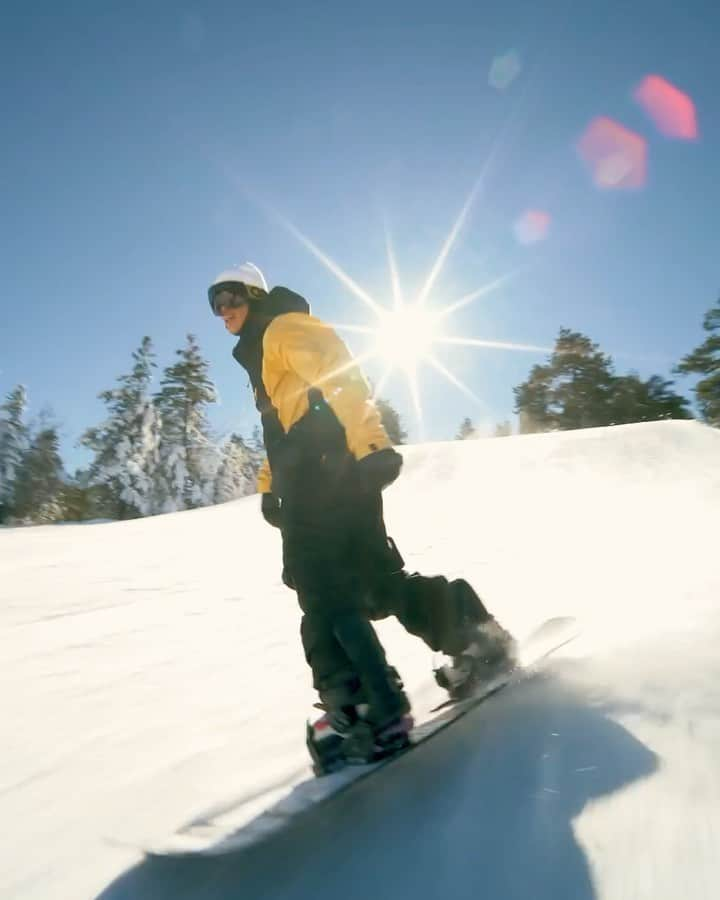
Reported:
(504, 70)
(532, 226)
(672, 111)
(616, 156)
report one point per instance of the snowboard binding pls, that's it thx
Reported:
(491, 652)
(357, 728)
(361, 743)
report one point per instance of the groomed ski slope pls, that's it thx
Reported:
(151, 670)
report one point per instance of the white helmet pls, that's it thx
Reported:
(247, 273)
(249, 280)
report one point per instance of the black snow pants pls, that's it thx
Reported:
(347, 572)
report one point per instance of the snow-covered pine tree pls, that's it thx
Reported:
(466, 430)
(126, 444)
(256, 441)
(83, 500)
(13, 444)
(237, 473)
(190, 460)
(39, 484)
(257, 453)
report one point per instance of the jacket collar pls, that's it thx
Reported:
(248, 350)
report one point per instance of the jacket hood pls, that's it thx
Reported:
(280, 300)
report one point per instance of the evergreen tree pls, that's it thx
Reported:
(466, 430)
(581, 383)
(705, 361)
(237, 474)
(532, 401)
(503, 429)
(126, 445)
(635, 400)
(577, 388)
(391, 421)
(74, 501)
(256, 453)
(256, 441)
(189, 458)
(39, 485)
(13, 444)
(83, 500)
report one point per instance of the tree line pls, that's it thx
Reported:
(578, 387)
(155, 452)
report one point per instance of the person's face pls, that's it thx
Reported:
(234, 316)
(232, 307)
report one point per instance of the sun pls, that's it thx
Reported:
(404, 336)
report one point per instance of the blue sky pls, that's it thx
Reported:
(141, 143)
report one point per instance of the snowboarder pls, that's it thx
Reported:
(328, 460)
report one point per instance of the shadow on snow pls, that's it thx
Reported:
(483, 810)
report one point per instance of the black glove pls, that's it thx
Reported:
(377, 470)
(270, 508)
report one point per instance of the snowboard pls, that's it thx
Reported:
(231, 829)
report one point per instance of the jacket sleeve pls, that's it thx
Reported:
(314, 352)
(264, 478)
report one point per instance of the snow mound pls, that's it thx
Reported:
(152, 669)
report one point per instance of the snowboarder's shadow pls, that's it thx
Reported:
(485, 809)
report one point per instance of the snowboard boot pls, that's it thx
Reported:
(353, 730)
(490, 651)
(384, 725)
(367, 743)
(341, 698)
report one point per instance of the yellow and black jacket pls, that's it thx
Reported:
(309, 391)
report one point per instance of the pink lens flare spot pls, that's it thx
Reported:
(532, 226)
(672, 111)
(616, 156)
(504, 70)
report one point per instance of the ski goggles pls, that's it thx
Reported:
(231, 294)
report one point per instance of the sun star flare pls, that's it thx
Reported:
(406, 334)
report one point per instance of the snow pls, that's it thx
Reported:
(151, 670)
